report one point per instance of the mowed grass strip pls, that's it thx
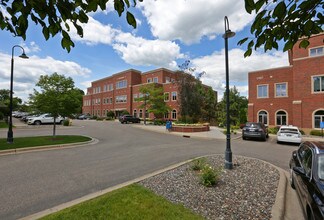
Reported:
(21, 142)
(132, 202)
(3, 124)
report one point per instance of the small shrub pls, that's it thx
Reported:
(159, 122)
(198, 164)
(110, 114)
(100, 119)
(1, 116)
(209, 176)
(94, 117)
(273, 130)
(221, 125)
(316, 132)
(66, 123)
(302, 132)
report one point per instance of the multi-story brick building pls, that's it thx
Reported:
(291, 95)
(118, 93)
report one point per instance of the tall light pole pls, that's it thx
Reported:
(24, 56)
(228, 152)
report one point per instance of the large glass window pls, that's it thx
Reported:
(166, 96)
(318, 118)
(316, 51)
(262, 91)
(121, 84)
(318, 83)
(156, 79)
(121, 99)
(174, 96)
(281, 118)
(135, 113)
(174, 114)
(281, 89)
(263, 117)
(141, 113)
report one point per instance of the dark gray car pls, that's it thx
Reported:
(255, 130)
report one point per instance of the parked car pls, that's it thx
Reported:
(307, 177)
(84, 117)
(129, 118)
(255, 130)
(290, 134)
(45, 119)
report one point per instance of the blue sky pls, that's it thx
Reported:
(168, 33)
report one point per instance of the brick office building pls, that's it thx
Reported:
(291, 95)
(118, 92)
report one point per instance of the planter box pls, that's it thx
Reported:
(179, 128)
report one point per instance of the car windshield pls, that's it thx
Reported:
(321, 166)
(289, 130)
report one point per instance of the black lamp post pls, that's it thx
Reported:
(24, 56)
(228, 153)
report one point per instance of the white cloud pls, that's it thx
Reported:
(189, 21)
(31, 48)
(28, 71)
(139, 51)
(214, 66)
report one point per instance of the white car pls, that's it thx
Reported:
(44, 119)
(290, 134)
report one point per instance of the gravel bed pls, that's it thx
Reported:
(247, 191)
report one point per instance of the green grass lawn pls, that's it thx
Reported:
(3, 124)
(21, 142)
(129, 203)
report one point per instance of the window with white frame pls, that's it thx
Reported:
(263, 117)
(121, 99)
(121, 84)
(155, 79)
(318, 83)
(318, 118)
(149, 80)
(135, 97)
(281, 118)
(174, 96)
(166, 115)
(141, 113)
(111, 100)
(262, 91)
(316, 51)
(135, 113)
(167, 79)
(166, 96)
(174, 114)
(110, 87)
(281, 89)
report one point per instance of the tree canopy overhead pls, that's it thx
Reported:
(56, 16)
(287, 20)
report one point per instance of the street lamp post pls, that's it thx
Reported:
(228, 153)
(24, 56)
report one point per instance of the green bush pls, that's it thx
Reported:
(273, 130)
(66, 123)
(100, 119)
(1, 116)
(159, 122)
(110, 118)
(198, 164)
(111, 114)
(94, 117)
(125, 112)
(209, 176)
(302, 132)
(316, 132)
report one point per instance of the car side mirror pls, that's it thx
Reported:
(299, 171)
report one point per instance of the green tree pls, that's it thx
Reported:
(56, 17)
(5, 101)
(238, 108)
(153, 100)
(57, 96)
(279, 20)
(209, 103)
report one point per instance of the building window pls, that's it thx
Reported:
(318, 118)
(281, 118)
(263, 117)
(135, 113)
(121, 84)
(262, 91)
(149, 80)
(155, 79)
(316, 51)
(167, 79)
(141, 113)
(166, 115)
(318, 83)
(281, 90)
(146, 114)
(121, 99)
(135, 97)
(166, 96)
(174, 114)
(174, 96)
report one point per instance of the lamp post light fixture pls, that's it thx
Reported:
(228, 153)
(24, 56)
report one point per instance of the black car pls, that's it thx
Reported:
(307, 177)
(255, 130)
(129, 118)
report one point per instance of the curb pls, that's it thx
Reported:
(47, 147)
(277, 211)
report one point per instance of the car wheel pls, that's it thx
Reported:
(244, 138)
(37, 122)
(264, 138)
(291, 179)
